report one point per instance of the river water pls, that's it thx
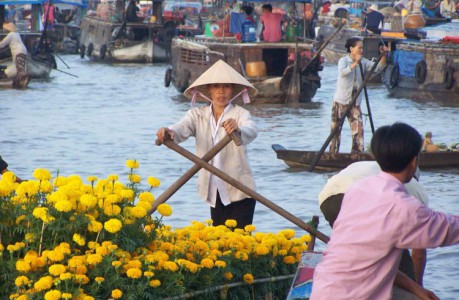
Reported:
(92, 124)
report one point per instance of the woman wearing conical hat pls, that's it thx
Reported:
(18, 52)
(220, 85)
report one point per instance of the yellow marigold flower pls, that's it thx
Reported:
(22, 297)
(65, 276)
(9, 177)
(112, 199)
(220, 264)
(148, 274)
(99, 279)
(42, 174)
(112, 177)
(44, 283)
(134, 178)
(39, 212)
(63, 206)
(57, 269)
(14, 296)
(91, 178)
(132, 164)
(138, 212)
(282, 252)
(30, 237)
(112, 210)
(144, 204)
(289, 260)
(170, 265)
(248, 278)
(53, 295)
(45, 186)
(113, 225)
(66, 296)
(20, 219)
(80, 240)
(127, 194)
(116, 263)
(230, 223)
(94, 259)
(60, 181)
(209, 222)
(249, 228)
(146, 196)
(261, 250)
(22, 266)
(81, 279)
(86, 297)
(228, 276)
(305, 238)
(88, 200)
(207, 263)
(21, 280)
(134, 273)
(1, 248)
(95, 226)
(288, 233)
(165, 210)
(153, 181)
(154, 283)
(116, 294)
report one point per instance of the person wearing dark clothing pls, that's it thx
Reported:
(373, 19)
(131, 12)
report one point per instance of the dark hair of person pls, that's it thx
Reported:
(394, 146)
(248, 10)
(268, 7)
(351, 42)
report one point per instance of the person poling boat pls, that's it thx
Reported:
(349, 79)
(220, 85)
(18, 70)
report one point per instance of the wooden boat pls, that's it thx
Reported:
(109, 37)
(268, 66)
(426, 69)
(303, 159)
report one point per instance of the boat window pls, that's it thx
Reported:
(194, 57)
(276, 61)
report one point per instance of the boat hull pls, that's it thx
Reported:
(424, 71)
(329, 162)
(97, 41)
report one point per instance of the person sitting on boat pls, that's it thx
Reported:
(272, 24)
(428, 145)
(349, 79)
(374, 20)
(18, 70)
(331, 198)
(220, 85)
(448, 9)
(379, 218)
(431, 8)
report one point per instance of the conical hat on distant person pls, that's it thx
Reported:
(9, 26)
(374, 7)
(220, 72)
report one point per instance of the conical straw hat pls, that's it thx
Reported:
(9, 26)
(220, 72)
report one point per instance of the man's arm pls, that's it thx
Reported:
(419, 257)
(404, 282)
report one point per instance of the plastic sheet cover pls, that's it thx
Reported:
(407, 61)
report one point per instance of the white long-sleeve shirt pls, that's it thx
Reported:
(13, 39)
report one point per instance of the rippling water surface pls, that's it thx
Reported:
(92, 124)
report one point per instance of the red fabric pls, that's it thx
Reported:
(451, 39)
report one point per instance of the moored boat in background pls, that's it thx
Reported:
(270, 67)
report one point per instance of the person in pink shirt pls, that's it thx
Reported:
(272, 24)
(377, 220)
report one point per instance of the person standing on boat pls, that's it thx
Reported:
(331, 198)
(379, 218)
(220, 85)
(272, 24)
(349, 79)
(431, 8)
(448, 9)
(374, 20)
(18, 70)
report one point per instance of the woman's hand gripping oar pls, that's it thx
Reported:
(235, 136)
(225, 177)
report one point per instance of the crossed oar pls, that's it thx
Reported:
(203, 163)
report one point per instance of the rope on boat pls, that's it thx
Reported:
(227, 286)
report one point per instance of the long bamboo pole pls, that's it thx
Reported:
(225, 177)
(193, 170)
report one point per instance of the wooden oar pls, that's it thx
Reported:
(341, 121)
(245, 189)
(367, 101)
(50, 66)
(193, 170)
(322, 47)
